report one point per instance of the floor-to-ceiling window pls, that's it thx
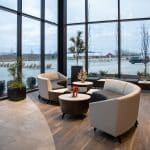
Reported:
(103, 51)
(50, 48)
(75, 14)
(8, 43)
(30, 47)
(114, 33)
(37, 21)
(71, 60)
(102, 36)
(135, 16)
(132, 46)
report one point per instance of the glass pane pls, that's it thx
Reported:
(51, 10)
(72, 32)
(102, 10)
(8, 43)
(103, 48)
(135, 8)
(75, 11)
(9, 3)
(132, 47)
(31, 47)
(50, 48)
(31, 7)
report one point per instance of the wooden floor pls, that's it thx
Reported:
(73, 133)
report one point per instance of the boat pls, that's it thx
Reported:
(138, 59)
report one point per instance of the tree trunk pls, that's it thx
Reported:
(145, 70)
(77, 59)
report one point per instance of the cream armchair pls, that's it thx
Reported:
(51, 85)
(117, 115)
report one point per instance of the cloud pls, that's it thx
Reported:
(30, 27)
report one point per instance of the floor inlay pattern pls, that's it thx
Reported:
(23, 127)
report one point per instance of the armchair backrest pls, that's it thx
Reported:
(51, 75)
(122, 110)
(44, 85)
(130, 88)
(115, 85)
(128, 111)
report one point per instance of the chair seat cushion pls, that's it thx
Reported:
(97, 96)
(62, 82)
(61, 91)
(55, 85)
(104, 95)
(110, 94)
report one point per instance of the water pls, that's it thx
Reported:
(109, 65)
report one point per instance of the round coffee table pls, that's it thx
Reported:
(74, 105)
(86, 84)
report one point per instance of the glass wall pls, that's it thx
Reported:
(51, 10)
(71, 60)
(103, 51)
(30, 36)
(31, 7)
(8, 43)
(30, 47)
(102, 10)
(75, 11)
(135, 8)
(102, 22)
(50, 48)
(12, 4)
(132, 39)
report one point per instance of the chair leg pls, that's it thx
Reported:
(136, 123)
(94, 129)
(63, 115)
(39, 96)
(119, 139)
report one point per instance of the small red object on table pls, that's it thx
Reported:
(75, 91)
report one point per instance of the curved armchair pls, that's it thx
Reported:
(51, 85)
(117, 115)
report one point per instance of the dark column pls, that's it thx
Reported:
(62, 36)
(86, 35)
(42, 58)
(19, 35)
(119, 41)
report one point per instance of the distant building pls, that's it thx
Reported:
(109, 55)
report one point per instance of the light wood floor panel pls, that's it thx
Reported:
(77, 134)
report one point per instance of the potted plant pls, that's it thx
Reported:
(103, 73)
(16, 89)
(2, 87)
(31, 82)
(78, 47)
(82, 76)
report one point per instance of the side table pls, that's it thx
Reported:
(87, 84)
(74, 105)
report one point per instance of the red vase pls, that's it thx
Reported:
(74, 94)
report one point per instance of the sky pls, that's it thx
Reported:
(102, 37)
(30, 27)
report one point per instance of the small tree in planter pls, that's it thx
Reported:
(2, 87)
(78, 47)
(16, 89)
(31, 82)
